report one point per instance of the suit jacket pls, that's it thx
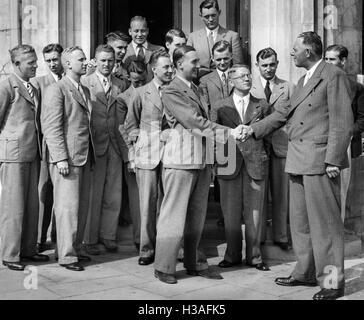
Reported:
(148, 53)
(281, 95)
(357, 94)
(251, 152)
(213, 90)
(128, 95)
(199, 41)
(191, 131)
(19, 122)
(319, 121)
(66, 124)
(145, 116)
(107, 115)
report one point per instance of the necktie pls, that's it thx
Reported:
(107, 87)
(141, 54)
(242, 110)
(211, 41)
(82, 93)
(30, 90)
(195, 90)
(267, 91)
(160, 91)
(225, 85)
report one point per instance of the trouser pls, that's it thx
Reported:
(242, 194)
(19, 209)
(150, 190)
(317, 230)
(106, 199)
(345, 183)
(183, 211)
(46, 217)
(71, 195)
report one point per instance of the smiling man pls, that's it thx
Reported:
(203, 40)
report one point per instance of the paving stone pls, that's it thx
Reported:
(39, 294)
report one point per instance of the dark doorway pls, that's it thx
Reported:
(158, 13)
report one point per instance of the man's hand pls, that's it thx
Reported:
(131, 166)
(63, 168)
(332, 171)
(247, 133)
(237, 132)
(91, 67)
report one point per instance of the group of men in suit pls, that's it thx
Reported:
(132, 124)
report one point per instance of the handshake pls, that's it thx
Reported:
(242, 133)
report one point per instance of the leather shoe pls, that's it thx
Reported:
(110, 245)
(93, 250)
(82, 258)
(285, 246)
(292, 282)
(227, 264)
(329, 294)
(145, 261)
(73, 266)
(15, 266)
(36, 258)
(164, 277)
(208, 274)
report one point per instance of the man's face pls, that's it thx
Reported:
(300, 53)
(176, 43)
(105, 62)
(77, 62)
(189, 65)
(27, 65)
(139, 32)
(138, 80)
(163, 70)
(333, 58)
(210, 17)
(53, 61)
(120, 48)
(268, 67)
(241, 80)
(222, 60)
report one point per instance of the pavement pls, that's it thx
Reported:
(117, 276)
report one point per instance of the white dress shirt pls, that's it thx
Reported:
(136, 49)
(311, 72)
(104, 79)
(214, 33)
(264, 83)
(241, 104)
(220, 73)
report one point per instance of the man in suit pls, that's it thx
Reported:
(20, 150)
(175, 38)
(277, 92)
(186, 176)
(137, 73)
(338, 55)
(67, 132)
(107, 110)
(52, 56)
(146, 116)
(139, 46)
(243, 190)
(319, 121)
(203, 40)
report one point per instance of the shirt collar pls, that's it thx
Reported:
(102, 77)
(313, 69)
(55, 76)
(220, 73)
(264, 81)
(157, 85)
(188, 83)
(238, 98)
(135, 46)
(214, 32)
(76, 84)
(25, 83)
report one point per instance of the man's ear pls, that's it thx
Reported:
(129, 31)
(343, 61)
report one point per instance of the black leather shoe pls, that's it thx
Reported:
(285, 246)
(227, 264)
(329, 294)
(291, 282)
(73, 266)
(208, 274)
(15, 266)
(164, 277)
(260, 266)
(145, 261)
(36, 258)
(82, 258)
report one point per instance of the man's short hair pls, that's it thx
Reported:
(139, 19)
(53, 47)
(18, 50)
(343, 51)
(117, 35)
(208, 4)
(235, 67)
(266, 53)
(66, 53)
(135, 65)
(180, 52)
(158, 54)
(104, 48)
(222, 46)
(174, 33)
(313, 40)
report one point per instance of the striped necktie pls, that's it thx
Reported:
(30, 90)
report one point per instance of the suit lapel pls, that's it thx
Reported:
(221, 34)
(22, 90)
(153, 95)
(75, 93)
(215, 79)
(257, 89)
(278, 90)
(233, 113)
(98, 89)
(204, 41)
(250, 112)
